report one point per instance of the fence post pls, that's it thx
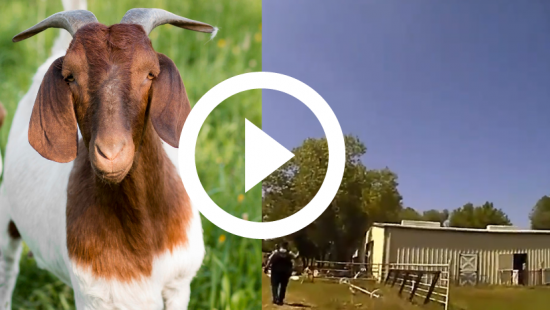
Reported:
(448, 284)
(390, 271)
(432, 287)
(419, 275)
(405, 279)
(413, 280)
(396, 274)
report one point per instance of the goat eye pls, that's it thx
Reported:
(150, 76)
(69, 79)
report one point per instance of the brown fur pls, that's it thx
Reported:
(53, 130)
(12, 231)
(3, 114)
(116, 88)
(102, 58)
(118, 230)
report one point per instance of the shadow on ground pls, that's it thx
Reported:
(297, 305)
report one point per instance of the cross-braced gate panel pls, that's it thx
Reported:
(468, 269)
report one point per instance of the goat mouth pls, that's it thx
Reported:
(112, 177)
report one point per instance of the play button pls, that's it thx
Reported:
(262, 156)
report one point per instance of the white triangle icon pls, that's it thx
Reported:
(262, 155)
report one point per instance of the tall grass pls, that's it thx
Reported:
(230, 276)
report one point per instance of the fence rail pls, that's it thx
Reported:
(429, 282)
(337, 270)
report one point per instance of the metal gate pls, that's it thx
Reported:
(468, 269)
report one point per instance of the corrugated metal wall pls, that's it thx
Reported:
(416, 246)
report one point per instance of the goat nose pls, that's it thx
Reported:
(109, 151)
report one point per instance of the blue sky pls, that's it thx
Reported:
(454, 96)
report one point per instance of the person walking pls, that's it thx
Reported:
(281, 265)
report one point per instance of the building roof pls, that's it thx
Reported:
(457, 229)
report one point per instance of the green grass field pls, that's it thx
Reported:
(230, 277)
(333, 296)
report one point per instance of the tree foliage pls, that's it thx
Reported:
(540, 214)
(410, 214)
(470, 216)
(364, 196)
(436, 215)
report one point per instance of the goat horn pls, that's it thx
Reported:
(149, 19)
(68, 20)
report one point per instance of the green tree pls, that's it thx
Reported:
(410, 214)
(469, 216)
(364, 196)
(463, 216)
(381, 198)
(540, 214)
(435, 215)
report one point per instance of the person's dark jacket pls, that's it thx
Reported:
(281, 262)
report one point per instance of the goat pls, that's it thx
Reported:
(309, 275)
(91, 181)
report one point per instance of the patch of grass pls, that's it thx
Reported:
(229, 277)
(499, 298)
(323, 294)
(38, 289)
(333, 296)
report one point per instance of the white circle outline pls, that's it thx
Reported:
(290, 86)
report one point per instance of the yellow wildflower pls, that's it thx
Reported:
(240, 198)
(221, 43)
(221, 239)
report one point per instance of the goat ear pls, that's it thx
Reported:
(53, 130)
(169, 104)
(3, 114)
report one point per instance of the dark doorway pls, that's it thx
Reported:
(520, 264)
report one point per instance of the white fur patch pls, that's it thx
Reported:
(10, 252)
(167, 288)
(214, 33)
